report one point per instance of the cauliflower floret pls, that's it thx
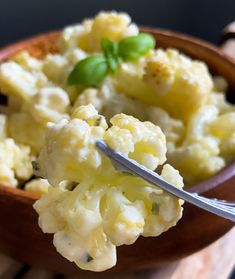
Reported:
(28, 62)
(106, 208)
(219, 101)
(22, 165)
(76, 222)
(223, 128)
(37, 186)
(25, 130)
(90, 96)
(141, 141)
(74, 154)
(15, 160)
(199, 146)
(8, 152)
(16, 81)
(3, 127)
(70, 148)
(70, 37)
(198, 160)
(75, 55)
(49, 104)
(227, 148)
(56, 68)
(199, 125)
(167, 75)
(113, 26)
(108, 102)
(7, 176)
(172, 128)
(87, 36)
(89, 221)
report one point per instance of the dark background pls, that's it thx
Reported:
(202, 18)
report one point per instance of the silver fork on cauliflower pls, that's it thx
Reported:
(221, 208)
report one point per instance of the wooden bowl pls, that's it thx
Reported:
(22, 239)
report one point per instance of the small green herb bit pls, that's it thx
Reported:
(133, 47)
(89, 71)
(110, 50)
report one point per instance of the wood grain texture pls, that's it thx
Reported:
(21, 238)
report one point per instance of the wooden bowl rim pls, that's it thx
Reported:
(206, 185)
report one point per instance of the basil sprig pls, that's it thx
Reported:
(93, 69)
(110, 50)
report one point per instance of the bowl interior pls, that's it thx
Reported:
(218, 62)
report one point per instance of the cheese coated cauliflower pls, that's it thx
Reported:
(87, 36)
(104, 208)
(73, 142)
(15, 162)
(108, 102)
(37, 186)
(15, 80)
(168, 79)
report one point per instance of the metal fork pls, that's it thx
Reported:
(221, 208)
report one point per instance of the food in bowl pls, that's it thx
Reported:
(164, 87)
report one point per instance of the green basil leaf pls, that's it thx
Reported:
(110, 50)
(89, 71)
(133, 47)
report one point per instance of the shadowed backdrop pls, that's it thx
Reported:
(202, 18)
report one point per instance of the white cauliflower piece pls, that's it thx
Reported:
(74, 154)
(25, 130)
(15, 161)
(49, 104)
(77, 226)
(198, 160)
(167, 75)
(16, 81)
(56, 68)
(88, 35)
(89, 221)
(104, 208)
(109, 103)
(141, 141)
(73, 56)
(7, 176)
(37, 186)
(28, 62)
(172, 128)
(223, 127)
(73, 143)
